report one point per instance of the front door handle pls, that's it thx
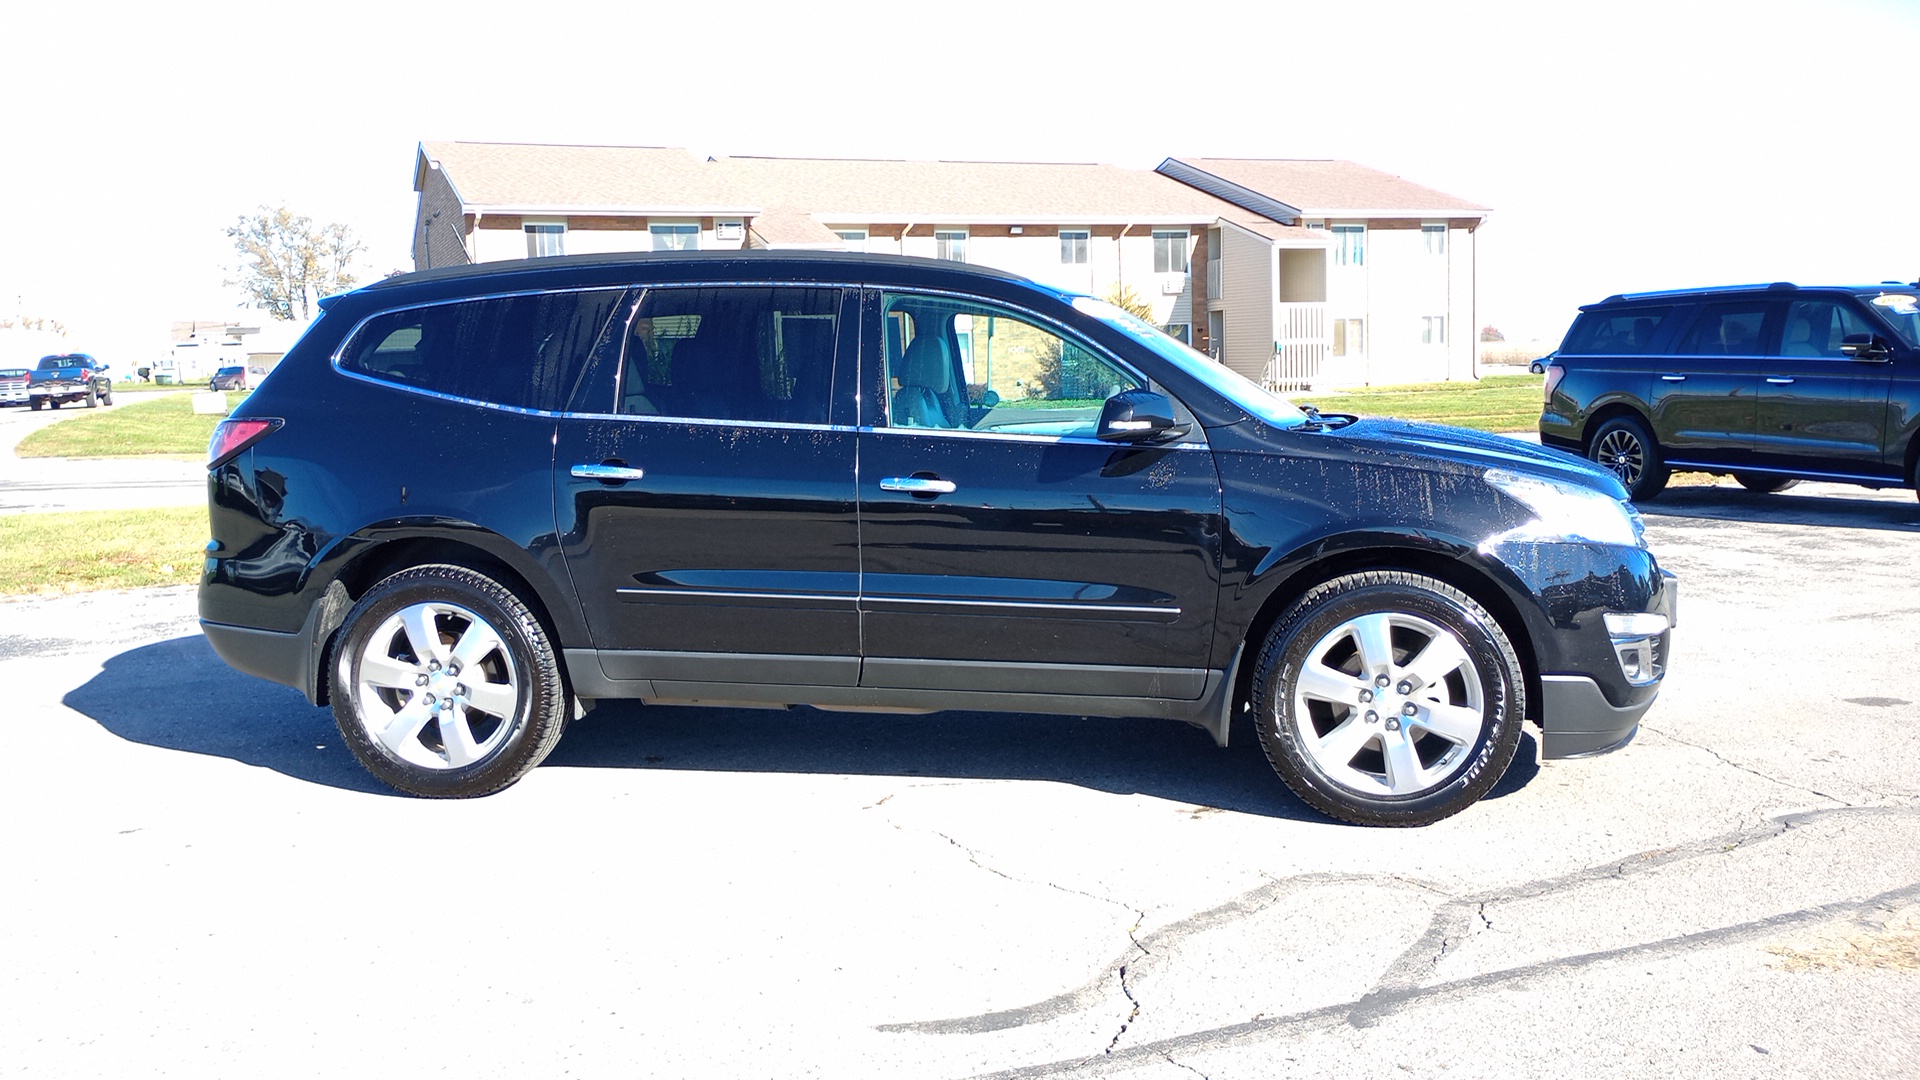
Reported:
(1779, 380)
(1673, 378)
(919, 485)
(607, 472)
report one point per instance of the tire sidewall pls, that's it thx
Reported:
(428, 585)
(1653, 475)
(1288, 650)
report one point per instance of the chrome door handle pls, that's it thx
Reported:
(607, 473)
(918, 485)
(1673, 378)
(1779, 380)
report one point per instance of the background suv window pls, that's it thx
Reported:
(1816, 328)
(1726, 330)
(1615, 332)
(737, 353)
(520, 351)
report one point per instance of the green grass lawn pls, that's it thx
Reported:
(101, 549)
(130, 428)
(1495, 403)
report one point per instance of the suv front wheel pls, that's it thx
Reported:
(1623, 446)
(1388, 698)
(445, 684)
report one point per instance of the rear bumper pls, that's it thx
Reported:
(268, 654)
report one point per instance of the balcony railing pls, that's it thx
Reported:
(1300, 346)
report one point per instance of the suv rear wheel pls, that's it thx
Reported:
(445, 684)
(1763, 483)
(1388, 698)
(1623, 446)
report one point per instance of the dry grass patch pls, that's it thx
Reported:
(43, 554)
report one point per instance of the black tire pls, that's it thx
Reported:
(93, 398)
(1623, 446)
(53, 403)
(34, 404)
(1343, 757)
(1765, 484)
(393, 705)
(106, 397)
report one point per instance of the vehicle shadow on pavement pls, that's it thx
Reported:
(178, 695)
(1787, 508)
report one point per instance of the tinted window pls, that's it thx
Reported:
(1615, 331)
(754, 354)
(1816, 328)
(964, 365)
(521, 351)
(1726, 330)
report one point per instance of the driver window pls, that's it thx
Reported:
(968, 366)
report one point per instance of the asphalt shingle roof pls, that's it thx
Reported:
(1320, 186)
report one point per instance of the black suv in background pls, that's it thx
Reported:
(470, 503)
(1771, 383)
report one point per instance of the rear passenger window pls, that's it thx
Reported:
(1615, 332)
(520, 351)
(732, 353)
(1726, 330)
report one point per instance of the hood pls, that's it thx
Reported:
(1465, 447)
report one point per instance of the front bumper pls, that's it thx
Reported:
(1577, 719)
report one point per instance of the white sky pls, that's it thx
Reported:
(1624, 145)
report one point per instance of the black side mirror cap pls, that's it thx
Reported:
(1138, 416)
(1865, 347)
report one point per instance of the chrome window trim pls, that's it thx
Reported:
(725, 594)
(1185, 442)
(863, 598)
(708, 421)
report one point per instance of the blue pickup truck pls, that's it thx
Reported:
(67, 378)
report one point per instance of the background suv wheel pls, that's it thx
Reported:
(1623, 446)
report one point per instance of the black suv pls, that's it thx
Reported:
(471, 503)
(1771, 383)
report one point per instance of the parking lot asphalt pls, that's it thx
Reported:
(45, 484)
(201, 881)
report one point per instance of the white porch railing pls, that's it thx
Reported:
(1300, 346)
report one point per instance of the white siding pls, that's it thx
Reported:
(1249, 287)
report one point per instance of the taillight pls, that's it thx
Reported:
(1554, 374)
(232, 436)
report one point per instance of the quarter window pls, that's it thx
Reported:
(960, 365)
(1615, 333)
(526, 352)
(753, 354)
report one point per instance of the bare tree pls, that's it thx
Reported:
(287, 263)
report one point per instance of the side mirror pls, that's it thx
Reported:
(1867, 347)
(1138, 416)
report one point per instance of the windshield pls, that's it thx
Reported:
(1900, 310)
(1228, 383)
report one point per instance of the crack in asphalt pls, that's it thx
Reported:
(1401, 983)
(1717, 756)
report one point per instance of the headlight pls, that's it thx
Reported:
(1567, 512)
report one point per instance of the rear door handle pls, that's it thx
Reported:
(1779, 380)
(607, 473)
(1673, 378)
(918, 485)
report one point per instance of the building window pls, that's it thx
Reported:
(1436, 238)
(544, 240)
(950, 244)
(1350, 245)
(1181, 332)
(1433, 330)
(675, 237)
(1349, 337)
(1169, 251)
(1073, 246)
(852, 239)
